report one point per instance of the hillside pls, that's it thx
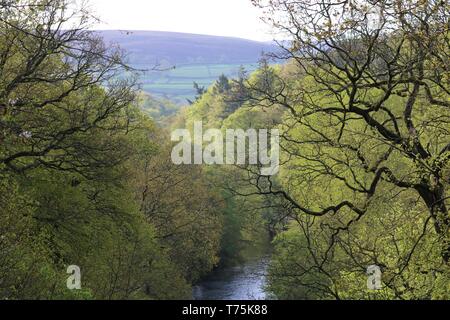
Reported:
(148, 47)
(199, 58)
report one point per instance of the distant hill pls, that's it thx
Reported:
(199, 58)
(148, 47)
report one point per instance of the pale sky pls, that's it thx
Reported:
(237, 18)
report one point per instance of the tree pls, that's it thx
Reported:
(185, 210)
(70, 137)
(199, 91)
(372, 108)
(59, 86)
(222, 85)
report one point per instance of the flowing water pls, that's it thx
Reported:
(243, 282)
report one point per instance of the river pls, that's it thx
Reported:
(242, 282)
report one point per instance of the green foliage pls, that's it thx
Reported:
(86, 176)
(75, 155)
(311, 259)
(158, 109)
(183, 207)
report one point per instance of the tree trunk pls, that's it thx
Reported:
(434, 198)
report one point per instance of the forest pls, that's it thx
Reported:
(360, 95)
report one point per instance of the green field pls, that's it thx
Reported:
(177, 84)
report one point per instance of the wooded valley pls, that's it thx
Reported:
(360, 95)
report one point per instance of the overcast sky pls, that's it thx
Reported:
(237, 18)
